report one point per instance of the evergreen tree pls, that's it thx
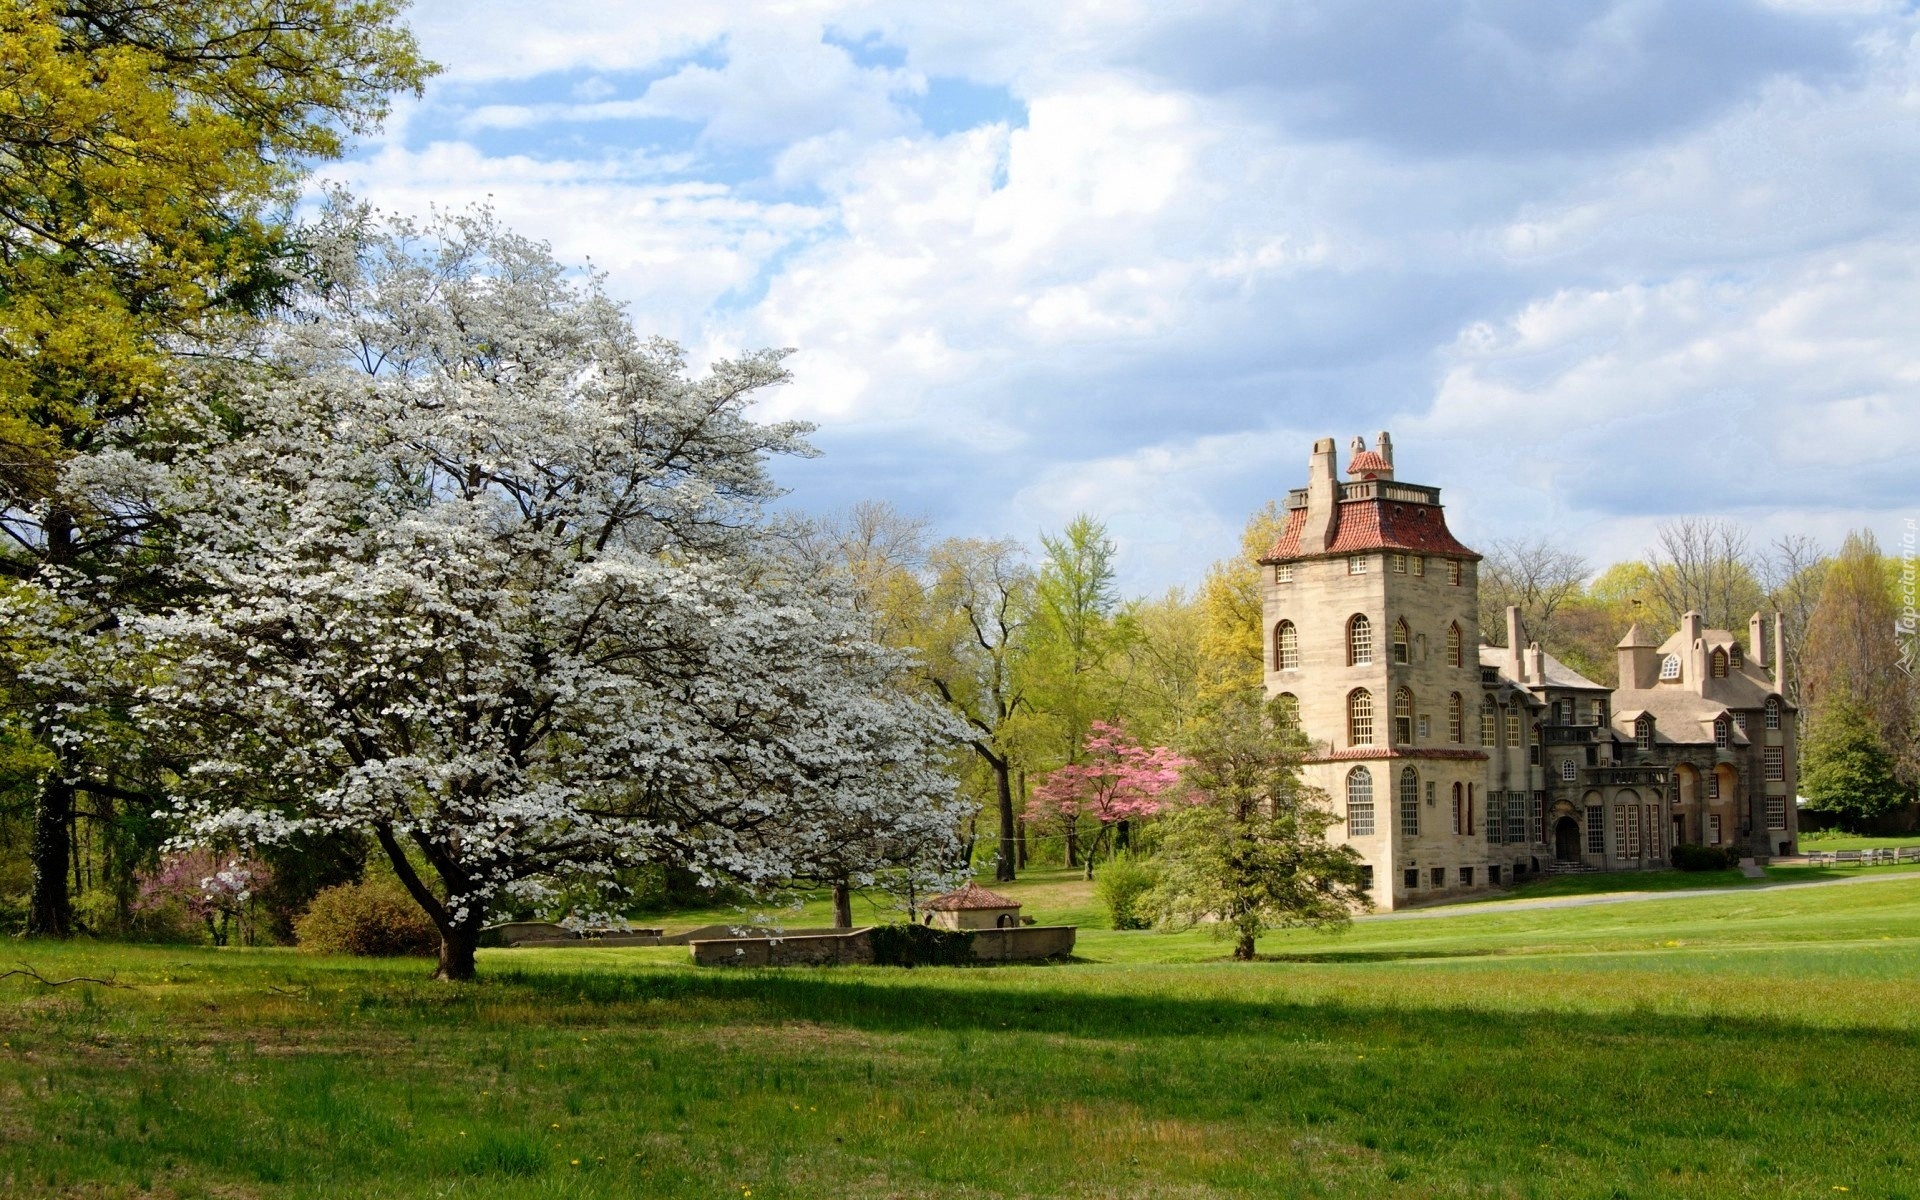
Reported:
(1845, 767)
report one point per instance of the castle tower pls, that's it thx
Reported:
(1372, 628)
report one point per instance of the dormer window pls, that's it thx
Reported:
(1773, 712)
(1670, 667)
(1643, 731)
(1734, 659)
(1722, 732)
(1718, 663)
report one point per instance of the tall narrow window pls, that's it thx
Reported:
(1360, 717)
(1399, 564)
(1513, 725)
(1359, 802)
(1722, 732)
(1469, 810)
(1718, 663)
(1517, 807)
(1419, 565)
(1633, 831)
(1775, 760)
(1286, 647)
(1566, 770)
(1486, 721)
(1734, 657)
(1713, 829)
(1496, 815)
(1453, 571)
(1457, 801)
(1713, 785)
(1409, 802)
(1620, 831)
(1453, 644)
(1403, 716)
(1776, 812)
(1359, 641)
(1456, 719)
(1599, 712)
(1773, 712)
(1596, 829)
(1402, 643)
(1286, 710)
(1643, 731)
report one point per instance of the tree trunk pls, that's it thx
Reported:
(1003, 870)
(842, 906)
(457, 944)
(50, 910)
(1072, 827)
(1243, 948)
(1020, 843)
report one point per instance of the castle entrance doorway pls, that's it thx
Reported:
(1566, 840)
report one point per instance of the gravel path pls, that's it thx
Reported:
(1467, 910)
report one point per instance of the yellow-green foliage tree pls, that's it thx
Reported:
(1230, 610)
(148, 154)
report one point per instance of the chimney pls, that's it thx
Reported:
(1757, 641)
(1536, 669)
(1694, 649)
(1514, 644)
(1323, 497)
(1383, 446)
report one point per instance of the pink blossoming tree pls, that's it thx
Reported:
(1119, 780)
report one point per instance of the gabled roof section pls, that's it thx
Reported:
(1636, 639)
(1368, 462)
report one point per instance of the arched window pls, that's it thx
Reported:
(1670, 667)
(1718, 663)
(1643, 731)
(1409, 802)
(1456, 719)
(1286, 647)
(1359, 641)
(1486, 720)
(1402, 642)
(1566, 771)
(1359, 802)
(1403, 715)
(1360, 717)
(1773, 712)
(1734, 658)
(1722, 732)
(1453, 644)
(1458, 803)
(1286, 710)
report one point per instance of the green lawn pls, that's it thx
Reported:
(1847, 841)
(1765, 1043)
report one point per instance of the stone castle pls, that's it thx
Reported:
(1459, 766)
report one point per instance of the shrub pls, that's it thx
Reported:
(374, 918)
(1121, 887)
(921, 946)
(1689, 857)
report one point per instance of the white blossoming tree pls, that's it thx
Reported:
(484, 575)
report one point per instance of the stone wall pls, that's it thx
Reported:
(1029, 943)
(1025, 943)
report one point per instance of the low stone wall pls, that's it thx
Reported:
(795, 950)
(1027, 943)
(548, 934)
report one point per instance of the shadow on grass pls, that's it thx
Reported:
(865, 1003)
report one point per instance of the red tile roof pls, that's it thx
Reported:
(970, 896)
(1374, 525)
(1367, 460)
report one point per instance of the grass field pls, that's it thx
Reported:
(1765, 1043)
(1848, 841)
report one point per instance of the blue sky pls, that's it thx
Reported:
(1596, 264)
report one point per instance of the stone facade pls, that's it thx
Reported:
(1456, 766)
